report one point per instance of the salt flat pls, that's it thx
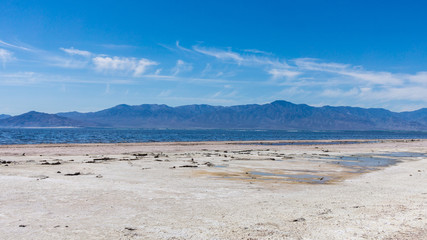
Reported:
(215, 190)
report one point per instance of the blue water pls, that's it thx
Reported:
(95, 135)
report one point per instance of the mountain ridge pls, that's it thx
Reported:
(280, 115)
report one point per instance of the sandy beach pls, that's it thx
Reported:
(359, 189)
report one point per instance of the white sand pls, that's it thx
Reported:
(144, 197)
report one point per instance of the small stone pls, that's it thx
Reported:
(299, 220)
(209, 164)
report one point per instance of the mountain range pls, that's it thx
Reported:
(276, 115)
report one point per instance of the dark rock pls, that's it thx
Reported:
(209, 164)
(140, 154)
(72, 174)
(48, 163)
(188, 166)
(103, 159)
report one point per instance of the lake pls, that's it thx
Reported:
(107, 135)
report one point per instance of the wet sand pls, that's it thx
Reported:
(356, 189)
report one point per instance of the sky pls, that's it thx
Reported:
(59, 56)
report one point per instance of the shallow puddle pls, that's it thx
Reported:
(403, 154)
(364, 161)
(303, 178)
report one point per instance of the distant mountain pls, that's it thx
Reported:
(3, 116)
(275, 115)
(419, 116)
(37, 119)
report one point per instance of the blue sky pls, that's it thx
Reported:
(58, 56)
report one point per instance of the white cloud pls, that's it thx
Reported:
(14, 46)
(5, 56)
(142, 66)
(246, 59)
(357, 73)
(220, 54)
(137, 67)
(382, 78)
(257, 51)
(73, 51)
(280, 73)
(181, 66)
(182, 48)
(312, 64)
(419, 77)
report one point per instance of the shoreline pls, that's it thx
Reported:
(215, 190)
(344, 141)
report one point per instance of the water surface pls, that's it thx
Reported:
(108, 135)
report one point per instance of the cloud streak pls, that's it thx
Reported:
(78, 52)
(15, 46)
(123, 64)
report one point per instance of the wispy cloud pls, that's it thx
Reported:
(280, 73)
(182, 48)
(15, 46)
(134, 65)
(5, 56)
(73, 51)
(247, 59)
(220, 54)
(181, 66)
(257, 51)
(358, 73)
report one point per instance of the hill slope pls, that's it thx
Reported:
(37, 119)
